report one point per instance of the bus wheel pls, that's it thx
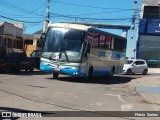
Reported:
(89, 74)
(55, 75)
(112, 72)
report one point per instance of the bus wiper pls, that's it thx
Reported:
(60, 55)
(63, 51)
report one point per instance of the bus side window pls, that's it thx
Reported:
(119, 44)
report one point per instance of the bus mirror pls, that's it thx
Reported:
(85, 50)
(41, 40)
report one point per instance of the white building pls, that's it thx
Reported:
(11, 35)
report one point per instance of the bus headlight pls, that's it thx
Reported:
(75, 68)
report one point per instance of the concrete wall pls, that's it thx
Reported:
(151, 2)
(10, 35)
(8, 29)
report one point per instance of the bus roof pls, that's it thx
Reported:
(83, 27)
(70, 25)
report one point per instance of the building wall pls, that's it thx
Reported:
(10, 36)
(148, 44)
(151, 2)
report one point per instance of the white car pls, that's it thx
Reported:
(135, 66)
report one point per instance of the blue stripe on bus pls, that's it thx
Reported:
(46, 68)
(70, 72)
(76, 72)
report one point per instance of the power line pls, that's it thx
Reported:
(94, 7)
(20, 20)
(104, 12)
(70, 16)
(18, 16)
(34, 10)
(11, 6)
(99, 13)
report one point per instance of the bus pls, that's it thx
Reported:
(82, 51)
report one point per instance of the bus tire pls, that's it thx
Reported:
(89, 74)
(55, 75)
(112, 72)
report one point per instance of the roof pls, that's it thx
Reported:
(136, 59)
(151, 2)
(70, 25)
(106, 26)
(16, 24)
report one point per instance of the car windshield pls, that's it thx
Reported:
(129, 61)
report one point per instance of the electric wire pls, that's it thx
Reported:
(20, 20)
(17, 8)
(80, 5)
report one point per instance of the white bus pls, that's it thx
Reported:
(82, 51)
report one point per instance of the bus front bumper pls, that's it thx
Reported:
(73, 71)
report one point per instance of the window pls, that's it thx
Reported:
(151, 12)
(136, 62)
(105, 41)
(76, 35)
(119, 44)
(141, 62)
(92, 38)
(128, 61)
(53, 40)
(98, 40)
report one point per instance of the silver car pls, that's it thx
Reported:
(132, 66)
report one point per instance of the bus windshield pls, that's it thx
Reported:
(65, 43)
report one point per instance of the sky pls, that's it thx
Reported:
(33, 12)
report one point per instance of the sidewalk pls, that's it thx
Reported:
(148, 87)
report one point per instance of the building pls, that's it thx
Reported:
(11, 35)
(148, 43)
(31, 42)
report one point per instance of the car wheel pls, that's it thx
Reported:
(129, 71)
(55, 75)
(145, 72)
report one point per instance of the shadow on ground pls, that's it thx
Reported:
(119, 79)
(28, 73)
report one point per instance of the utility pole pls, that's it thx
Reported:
(24, 31)
(75, 19)
(45, 24)
(132, 29)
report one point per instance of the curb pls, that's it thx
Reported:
(150, 98)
